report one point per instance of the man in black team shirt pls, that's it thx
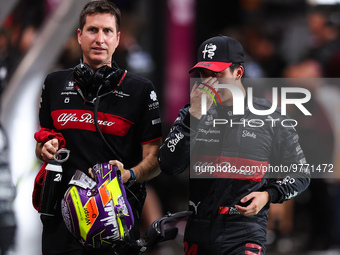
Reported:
(127, 115)
(230, 209)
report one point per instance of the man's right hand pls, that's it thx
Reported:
(196, 96)
(46, 151)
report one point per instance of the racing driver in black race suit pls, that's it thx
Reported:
(230, 207)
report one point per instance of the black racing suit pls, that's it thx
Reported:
(239, 142)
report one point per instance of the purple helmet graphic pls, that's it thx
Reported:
(97, 212)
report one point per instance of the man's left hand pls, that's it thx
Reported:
(125, 174)
(258, 201)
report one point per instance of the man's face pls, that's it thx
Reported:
(223, 77)
(98, 39)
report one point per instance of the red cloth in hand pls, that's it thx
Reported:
(46, 134)
(42, 136)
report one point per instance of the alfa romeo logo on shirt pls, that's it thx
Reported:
(153, 96)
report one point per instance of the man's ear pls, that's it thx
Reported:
(118, 38)
(79, 32)
(239, 72)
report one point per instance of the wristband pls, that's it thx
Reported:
(132, 179)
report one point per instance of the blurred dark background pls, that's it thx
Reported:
(290, 39)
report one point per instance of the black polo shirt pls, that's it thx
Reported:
(127, 117)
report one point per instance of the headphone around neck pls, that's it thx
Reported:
(84, 76)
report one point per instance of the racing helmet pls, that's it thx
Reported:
(97, 212)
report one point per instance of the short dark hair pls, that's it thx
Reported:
(99, 6)
(233, 66)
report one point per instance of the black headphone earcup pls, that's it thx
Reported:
(83, 75)
(107, 76)
(99, 75)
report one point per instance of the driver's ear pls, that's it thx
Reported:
(239, 72)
